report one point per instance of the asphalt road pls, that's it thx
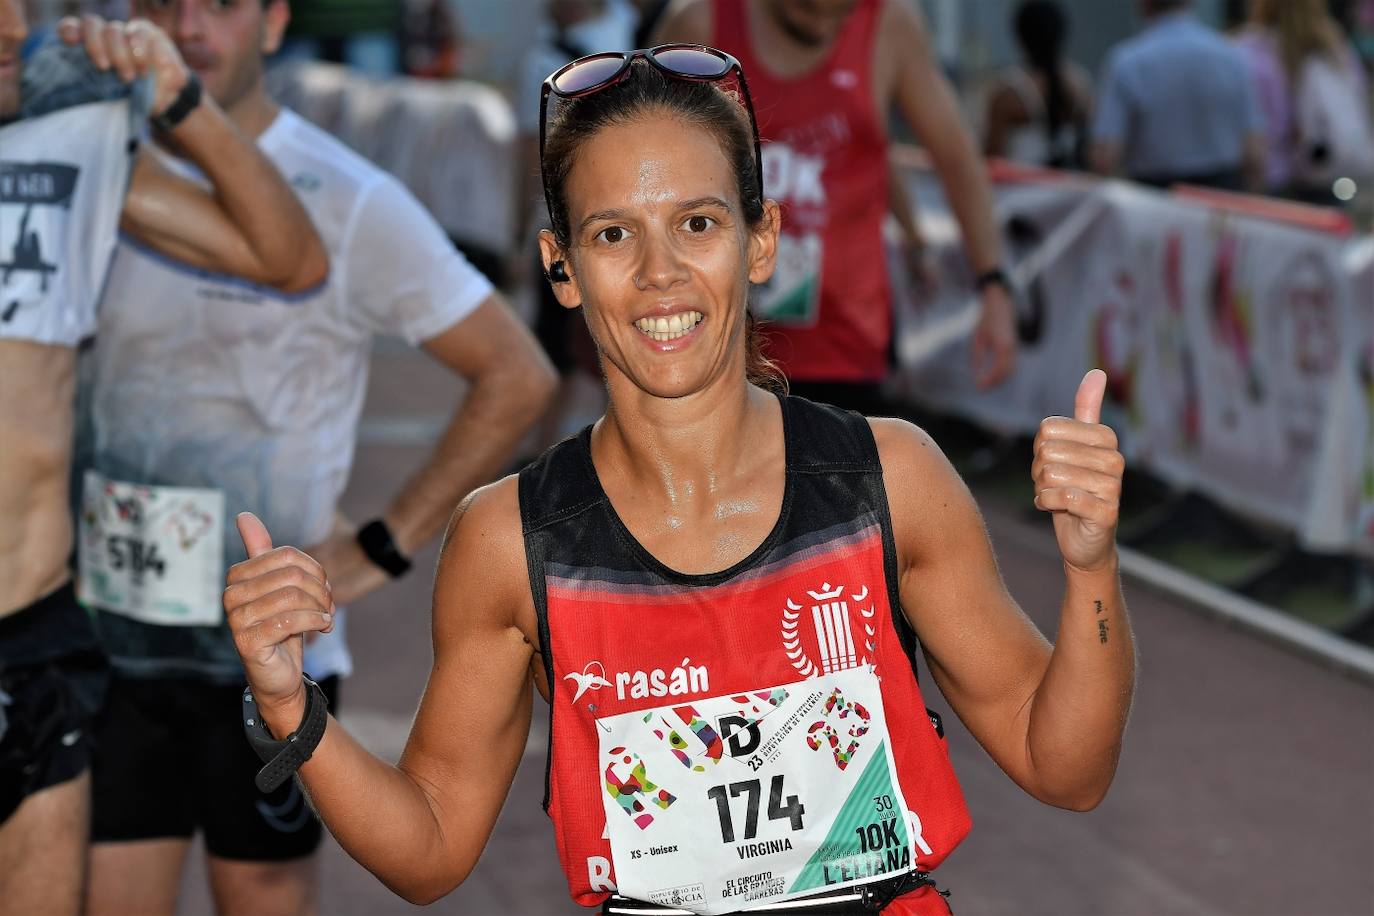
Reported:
(1246, 785)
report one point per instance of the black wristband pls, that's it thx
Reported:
(376, 541)
(187, 100)
(282, 758)
(989, 277)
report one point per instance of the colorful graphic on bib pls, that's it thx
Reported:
(676, 744)
(858, 727)
(703, 731)
(733, 734)
(632, 791)
(833, 631)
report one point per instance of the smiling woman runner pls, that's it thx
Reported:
(716, 587)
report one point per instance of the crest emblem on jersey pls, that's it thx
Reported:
(832, 627)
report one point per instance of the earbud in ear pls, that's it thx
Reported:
(557, 273)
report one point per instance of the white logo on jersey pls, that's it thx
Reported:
(685, 679)
(599, 874)
(680, 681)
(833, 630)
(792, 176)
(589, 679)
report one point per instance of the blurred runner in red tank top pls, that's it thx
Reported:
(824, 74)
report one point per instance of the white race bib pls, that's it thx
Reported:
(726, 803)
(155, 554)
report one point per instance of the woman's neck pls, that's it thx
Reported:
(706, 436)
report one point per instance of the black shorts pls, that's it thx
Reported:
(171, 758)
(52, 681)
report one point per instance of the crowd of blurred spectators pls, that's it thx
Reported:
(1278, 106)
(1277, 103)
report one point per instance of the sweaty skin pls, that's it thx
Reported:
(649, 243)
(250, 225)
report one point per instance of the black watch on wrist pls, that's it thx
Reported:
(282, 758)
(988, 277)
(376, 541)
(187, 100)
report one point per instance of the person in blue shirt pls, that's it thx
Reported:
(1175, 105)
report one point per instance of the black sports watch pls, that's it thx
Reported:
(187, 100)
(282, 758)
(988, 277)
(376, 541)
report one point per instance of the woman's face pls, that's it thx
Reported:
(661, 256)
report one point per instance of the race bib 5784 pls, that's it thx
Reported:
(155, 554)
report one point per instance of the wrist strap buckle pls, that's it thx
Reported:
(285, 757)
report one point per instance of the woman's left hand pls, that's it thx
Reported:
(1077, 472)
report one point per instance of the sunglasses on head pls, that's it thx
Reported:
(591, 74)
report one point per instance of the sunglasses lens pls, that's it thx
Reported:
(583, 76)
(691, 62)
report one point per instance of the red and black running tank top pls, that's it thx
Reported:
(748, 736)
(829, 302)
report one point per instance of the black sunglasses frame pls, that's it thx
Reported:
(731, 65)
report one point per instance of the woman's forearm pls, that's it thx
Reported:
(379, 814)
(1079, 711)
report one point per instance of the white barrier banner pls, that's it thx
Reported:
(1232, 345)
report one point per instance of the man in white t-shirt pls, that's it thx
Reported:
(250, 401)
(72, 171)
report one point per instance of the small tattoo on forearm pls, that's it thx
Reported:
(1099, 606)
(1102, 631)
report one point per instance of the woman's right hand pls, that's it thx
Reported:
(271, 600)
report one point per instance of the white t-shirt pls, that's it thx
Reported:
(63, 178)
(205, 381)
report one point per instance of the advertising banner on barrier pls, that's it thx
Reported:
(1232, 345)
(1358, 435)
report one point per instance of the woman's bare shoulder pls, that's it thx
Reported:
(929, 502)
(483, 556)
(904, 447)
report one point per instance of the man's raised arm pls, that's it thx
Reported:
(249, 223)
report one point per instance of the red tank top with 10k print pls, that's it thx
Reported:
(825, 162)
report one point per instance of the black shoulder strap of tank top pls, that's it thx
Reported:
(557, 484)
(822, 439)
